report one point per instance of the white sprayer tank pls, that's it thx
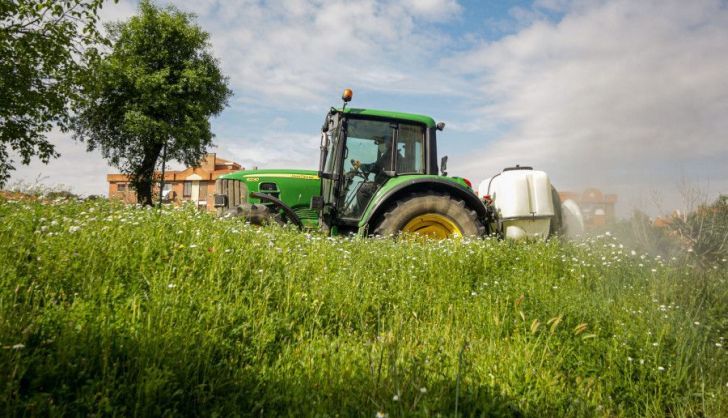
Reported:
(523, 200)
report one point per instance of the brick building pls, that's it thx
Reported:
(194, 184)
(596, 207)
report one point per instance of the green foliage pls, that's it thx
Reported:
(704, 232)
(112, 310)
(40, 45)
(642, 235)
(699, 237)
(159, 85)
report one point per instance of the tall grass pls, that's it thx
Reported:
(119, 311)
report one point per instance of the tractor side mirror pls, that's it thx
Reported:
(443, 166)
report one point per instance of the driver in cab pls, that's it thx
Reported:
(378, 167)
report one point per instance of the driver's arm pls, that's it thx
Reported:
(369, 167)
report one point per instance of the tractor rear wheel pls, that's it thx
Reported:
(434, 216)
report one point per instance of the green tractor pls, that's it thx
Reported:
(379, 175)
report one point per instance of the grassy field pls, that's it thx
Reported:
(121, 311)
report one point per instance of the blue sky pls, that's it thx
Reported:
(626, 96)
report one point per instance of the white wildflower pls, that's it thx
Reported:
(18, 346)
(660, 368)
(74, 229)
(395, 398)
(423, 389)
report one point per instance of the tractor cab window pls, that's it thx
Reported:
(368, 153)
(411, 149)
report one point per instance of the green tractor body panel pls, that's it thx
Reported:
(294, 187)
(387, 114)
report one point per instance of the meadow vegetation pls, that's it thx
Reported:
(125, 311)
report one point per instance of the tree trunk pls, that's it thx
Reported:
(144, 175)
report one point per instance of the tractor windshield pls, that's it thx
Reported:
(367, 155)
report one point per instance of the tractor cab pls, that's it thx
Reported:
(361, 150)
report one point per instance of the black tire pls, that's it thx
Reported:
(405, 210)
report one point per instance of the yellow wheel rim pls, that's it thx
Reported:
(432, 225)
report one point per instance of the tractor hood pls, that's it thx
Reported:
(269, 174)
(295, 188)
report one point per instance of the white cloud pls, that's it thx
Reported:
(114, 12)
(622, 95)
(272, 150)
(296, 51)
(80, 171)
(433, 9)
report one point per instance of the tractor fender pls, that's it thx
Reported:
(386, 196)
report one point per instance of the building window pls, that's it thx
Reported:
(187, 189)
(121, 187)
(203, 191)
(167, 186)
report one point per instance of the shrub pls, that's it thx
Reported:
(704, 232)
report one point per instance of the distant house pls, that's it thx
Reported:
(193, 184)
(596, 207)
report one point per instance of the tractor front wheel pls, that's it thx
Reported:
(434, 216)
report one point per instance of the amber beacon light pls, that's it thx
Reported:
(348, 94)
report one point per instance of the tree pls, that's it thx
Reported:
(155, 90)
(41, 44)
